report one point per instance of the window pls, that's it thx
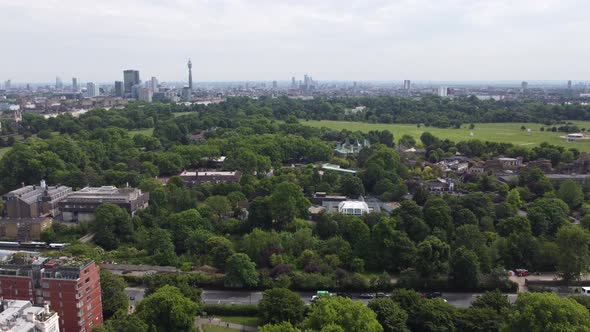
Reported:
(45, 285)
(86, 271)
(87, 280)
(46, 294)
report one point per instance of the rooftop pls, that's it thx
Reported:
(20, 316)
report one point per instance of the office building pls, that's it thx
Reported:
(70, 286)
(80, 205)
(135, 91)
(92, 90)
(569, 85)
(58, 83)
(293, 83)
(274, 85)
(119, 89)
(186, 94)
(154, 84)
(74, 84)
(146, 95)
(8, 85)
(130, 79)
(190, 75)
(23, 316)
(407, 85)
(442, 91)
(524, 86)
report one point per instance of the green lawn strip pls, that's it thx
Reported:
(494, 132)
(242, 320)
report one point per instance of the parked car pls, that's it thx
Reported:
(344, 295)
(381, 295)
(522, 272)
(314, 298)
(366, 296)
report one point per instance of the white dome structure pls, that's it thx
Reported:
(353, 208)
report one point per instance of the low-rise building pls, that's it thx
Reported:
(347, 148)
(81, 205)
(23, 229)
(23, 316)
(353, 208)
(320, 197)
(193, 178)
(34, 201)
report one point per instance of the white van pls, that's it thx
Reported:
(586, 291)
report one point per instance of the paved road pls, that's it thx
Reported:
(459, 300)
(135, 295)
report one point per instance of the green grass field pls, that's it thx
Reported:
(242, 320)
(494, 132)
(147, 132)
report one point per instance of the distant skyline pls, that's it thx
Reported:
(264, 40)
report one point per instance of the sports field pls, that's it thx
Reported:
(494, 132)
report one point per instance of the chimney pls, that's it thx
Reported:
(43, 184)
(46, 307)
(30, 317)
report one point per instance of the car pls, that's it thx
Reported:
(381, 295)
(314, 298)
(522, 272)
(366, 296)
(344, 295)
(132, 298)
(433, 295)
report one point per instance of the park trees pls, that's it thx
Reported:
(113, 295)
(287, 202)
(281, 305)
(168, 310)
(111, 226)
(537, 312)
(465, 268)
(350, 316)
(240, 271)
(574, 252)
(571, 193)
(432, 257)
(390, 315)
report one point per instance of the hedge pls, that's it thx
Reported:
(231, 309)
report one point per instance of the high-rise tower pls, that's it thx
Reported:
(190, 74)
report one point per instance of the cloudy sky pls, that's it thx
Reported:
(277, 39)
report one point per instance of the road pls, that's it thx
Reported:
(459, 300)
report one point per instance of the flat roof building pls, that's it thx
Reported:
(353, 208)
(69, 286)
(22, 316)
(80, 205)
(192, 178)
(34, 201)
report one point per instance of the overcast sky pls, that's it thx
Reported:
(276, 39)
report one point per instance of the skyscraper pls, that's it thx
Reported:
(569, 85)
(407, 85)
(154, 84)
(190, 74)
(119, 91)
(524, 86)
(7, 85)
(92, 90)
(58, 83)
(74, 84)
(274, 85)
(130, 78)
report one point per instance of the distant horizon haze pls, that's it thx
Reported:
(264, 40)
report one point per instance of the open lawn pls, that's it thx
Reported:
(213, 328)
(147, 132)
(248, 321)
(182, 113)
(494, 132)
(3, 151)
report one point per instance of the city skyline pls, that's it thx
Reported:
(262, 40)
